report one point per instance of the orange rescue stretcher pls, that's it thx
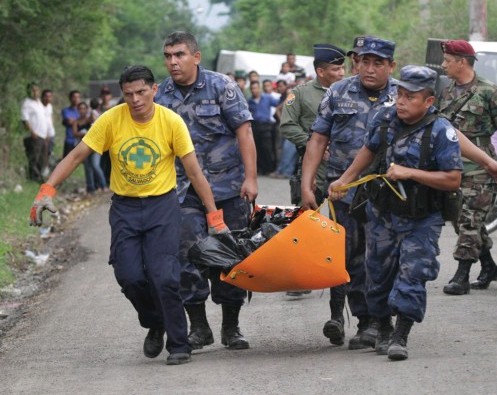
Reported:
(309, 253)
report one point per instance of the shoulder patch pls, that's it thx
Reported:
(290, 99)
(451, 134)
(230, 92)
(391, 100)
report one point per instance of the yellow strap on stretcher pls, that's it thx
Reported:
(314, 216)
(368, 178)
(353, 184)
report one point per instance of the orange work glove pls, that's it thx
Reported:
(43, 201)
(215, 223)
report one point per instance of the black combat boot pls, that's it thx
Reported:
(369, 335)
(397, 350)
(488, 271)
(154, 343)
(230, 332)
(333, 329)
(355, 342)
(385, 330)
(200, 333)
(459, 285)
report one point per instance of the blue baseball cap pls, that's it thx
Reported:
(416, 78)
(328, 53)
(377, 46)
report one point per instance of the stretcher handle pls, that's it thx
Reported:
(368, 178)
(346, 187)
(313, 216)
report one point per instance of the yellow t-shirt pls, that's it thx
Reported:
(142, 154)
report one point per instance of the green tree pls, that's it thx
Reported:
(140, 29)
(38, 43)
(281, 25)
(64, 44)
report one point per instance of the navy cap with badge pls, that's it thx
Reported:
(416, 78)
(377, 46)
(328, 53)
(358, 44)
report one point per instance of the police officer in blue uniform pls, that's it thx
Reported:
(218, 118)
(420, 150)
(300, 110)
(347, 107)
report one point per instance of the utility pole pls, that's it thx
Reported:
(477, 20)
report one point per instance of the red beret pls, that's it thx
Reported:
(458, 47)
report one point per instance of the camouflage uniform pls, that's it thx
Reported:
(299, 112)
(213, 110)
(477, 120)
(344, 113)
(401, 252)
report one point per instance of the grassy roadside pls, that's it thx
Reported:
(15, 232)
(14, 220)
(14, 215)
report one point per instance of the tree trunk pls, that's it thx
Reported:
(424, 11)
(477, 20)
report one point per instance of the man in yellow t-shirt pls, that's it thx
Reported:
(143, 139)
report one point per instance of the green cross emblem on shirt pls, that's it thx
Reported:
(140, 157)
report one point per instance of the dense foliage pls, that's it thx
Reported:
(283, 25)
(63, 45)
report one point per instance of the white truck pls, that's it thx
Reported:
(268, 65)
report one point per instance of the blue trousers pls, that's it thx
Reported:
(195, 285)
(93, 173)
(400, 258)
(288, 159)
(144, 253)
(355, 247)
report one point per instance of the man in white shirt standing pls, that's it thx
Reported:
(46, 100)
(35, 121)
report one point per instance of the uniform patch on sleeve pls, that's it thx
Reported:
(230, 93)
(290, 99)
(451, 134)
(325, 102)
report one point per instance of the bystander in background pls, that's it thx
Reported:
(35, 121)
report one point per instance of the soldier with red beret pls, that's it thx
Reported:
(470, 102)
(458, 48)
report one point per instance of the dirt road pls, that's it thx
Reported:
(83, 338)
